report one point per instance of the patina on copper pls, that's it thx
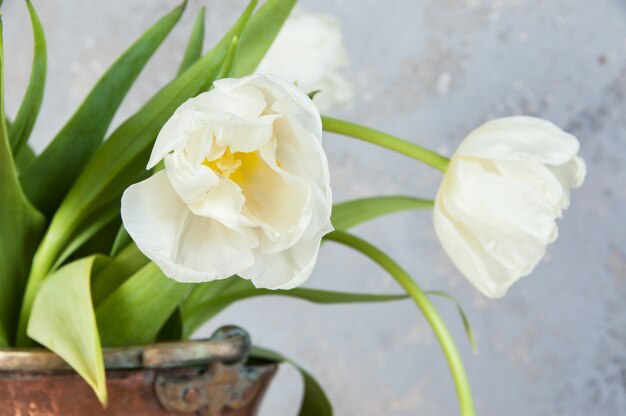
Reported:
(204, 377)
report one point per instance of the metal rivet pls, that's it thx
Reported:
(190, 394)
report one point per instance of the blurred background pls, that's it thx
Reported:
(429, 71)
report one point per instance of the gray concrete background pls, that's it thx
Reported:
(429, 71)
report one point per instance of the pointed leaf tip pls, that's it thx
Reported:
(25, 119)
(194, 44)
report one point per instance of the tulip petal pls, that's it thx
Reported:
(244, 104)
(208, 250)
(243, 101)
(299, 110)
(286, 269)
(174, 133)
(277, 200)
(190, 182)
(223, 203)
(469, 256)
(571, 174)
(520, 138)
(321, 208)
(187, 247)
(283, 98)
(293, 142)
(319, 204)
(496, 204)
(242, 135)
(551, 195)
(504, 219)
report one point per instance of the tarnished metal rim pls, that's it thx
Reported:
(229, 344)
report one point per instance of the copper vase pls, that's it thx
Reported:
(204, 377)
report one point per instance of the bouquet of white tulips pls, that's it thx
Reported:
(218, 189)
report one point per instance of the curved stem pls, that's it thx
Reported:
(388, 141)
(461, 382)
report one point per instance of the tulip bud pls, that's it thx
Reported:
(505, 186)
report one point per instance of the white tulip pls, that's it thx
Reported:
(309, 50)
(504, 188)
(245, 189)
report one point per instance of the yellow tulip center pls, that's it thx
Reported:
(237, 166)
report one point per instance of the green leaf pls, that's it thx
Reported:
(102, 232)
(137, 310)
(194, 45)
(101, 242)
(351, 213)
(49, 178)
(91, 226)
(313, 93)
(172, 330)
(259, 35)
(464, 319)
(119, 162)
(20, 229)
(4, 338)
(228, 66)
(24, 157)
(29, 109)
(203, 294)
(195, 314)
(314, 400)
(122, 240)
(466, 402)
(116, 271)
(63, 321)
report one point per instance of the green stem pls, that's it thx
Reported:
(388, 141)
(461, 382)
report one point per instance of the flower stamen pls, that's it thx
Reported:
(234, 166)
